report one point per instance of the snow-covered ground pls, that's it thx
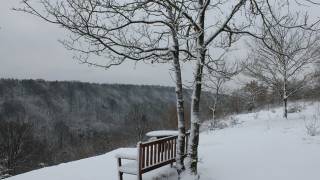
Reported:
(264, 146)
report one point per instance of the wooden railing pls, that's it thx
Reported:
(157, 153)
(152, 155)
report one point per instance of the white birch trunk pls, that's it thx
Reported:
(180, 113)
(179, 96)
(195, 101)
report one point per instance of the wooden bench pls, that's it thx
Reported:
(150, 155)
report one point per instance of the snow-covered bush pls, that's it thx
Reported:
(221, 125)
(234, 121)
(42, 165)
(217, 124)
(256, 115)
(295, 108)
(313, 126)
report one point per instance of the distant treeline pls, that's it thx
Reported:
(55, 122)
(45, 123)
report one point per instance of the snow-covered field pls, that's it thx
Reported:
(264, 146)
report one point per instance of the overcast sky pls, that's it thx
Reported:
(29, 49)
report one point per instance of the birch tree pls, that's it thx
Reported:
(148, 31)
(289, 60)
(138, 30)
(229, 25)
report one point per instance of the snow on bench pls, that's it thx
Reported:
(150, 155)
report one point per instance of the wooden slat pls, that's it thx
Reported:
(151, 155)
(147, 156)
(159, 152)
(143, 157)
(186, 143)
(171, 147)
(162, 151)
(175, 148)
(155, 153)
(165, 151)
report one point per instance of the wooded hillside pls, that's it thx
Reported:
(73, 120)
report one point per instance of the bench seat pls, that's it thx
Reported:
(129, 168)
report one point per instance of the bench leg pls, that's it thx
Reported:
(120, 175)
(171, 165)
(139, 176)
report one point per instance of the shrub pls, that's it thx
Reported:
(295, 108)
(234, 121)
(222, 125)
(313, 126)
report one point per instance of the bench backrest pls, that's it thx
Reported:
(157, 153)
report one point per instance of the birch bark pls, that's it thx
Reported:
(179, 94)
(195, 100)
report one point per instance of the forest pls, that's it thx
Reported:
(45, 123)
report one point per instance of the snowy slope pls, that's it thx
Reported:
(263, 147)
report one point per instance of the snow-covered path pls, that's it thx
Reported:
(263, 147)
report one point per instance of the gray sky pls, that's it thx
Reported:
(29, 48)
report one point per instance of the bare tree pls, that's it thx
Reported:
(215, 79)
(138, 30)
(149, 31)
(254, 93)
(289, 60)
(138, 119)
(256, 13)
(3, 171)
(16, 145)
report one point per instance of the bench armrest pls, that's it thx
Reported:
(126, 156)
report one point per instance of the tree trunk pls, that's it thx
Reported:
(195, 100)
(215, 122)
(195, 122)
(179, 96)
(285, 100)
(285, 108)
(180, 114)
(285, 94)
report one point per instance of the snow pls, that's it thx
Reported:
(129, 168)
(127, 156)
(162, 133)
(262, 146)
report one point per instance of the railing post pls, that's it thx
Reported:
(139, 174)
